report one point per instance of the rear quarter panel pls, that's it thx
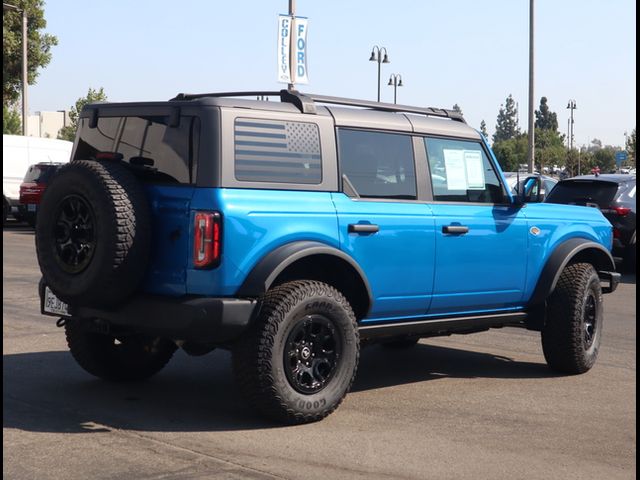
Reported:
(254, 223)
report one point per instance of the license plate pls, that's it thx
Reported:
(31, 207)
(53, 305)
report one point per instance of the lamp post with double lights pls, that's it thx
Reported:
(25, 79)
(395, 80)
(376, 56)
(572, 106)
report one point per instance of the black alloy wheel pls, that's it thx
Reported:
(74, 234)
(589, 320)
(313, 349)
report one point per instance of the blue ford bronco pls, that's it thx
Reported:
(293, 233)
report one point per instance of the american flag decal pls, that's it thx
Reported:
(275, 151)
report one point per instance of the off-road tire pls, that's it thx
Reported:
(575, 304)
(259, 357)
(125, 358)
(117, 212)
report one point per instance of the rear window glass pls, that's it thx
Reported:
(277, 152)
(169, 151)
(579, 192)
(40, 173)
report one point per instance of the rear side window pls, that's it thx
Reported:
(376, 164)
(169, 151)
(583, 192)
(277, 151)
(462, 172)
(627, 192)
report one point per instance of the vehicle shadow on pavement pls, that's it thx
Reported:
(18, 228)
(381, 367)
(48, 392)
(629, 278)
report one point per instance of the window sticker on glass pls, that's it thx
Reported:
(455, 168)
(475, 169)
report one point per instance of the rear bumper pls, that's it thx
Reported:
(612, 278)
(196, 319)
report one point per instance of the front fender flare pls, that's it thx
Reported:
(561, 256)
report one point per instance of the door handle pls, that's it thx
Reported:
(363, 228)
(455, 229)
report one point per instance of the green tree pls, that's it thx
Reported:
(39, 47)
(571, 162)
(605, 159)
(11, 122)
(549, 148)
(483, 129)
(631, 147)
(511, 153)
(545, 118)
(93, 96)
(456, 108)
(507, 121)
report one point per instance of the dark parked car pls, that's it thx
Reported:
(33, 186)
(615, 196)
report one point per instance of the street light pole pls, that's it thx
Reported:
(395, 80)
(25, 78)
(376, 56)
(292, 47)
(572, 106)
(531, 153)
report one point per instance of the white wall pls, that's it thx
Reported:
(47, 124)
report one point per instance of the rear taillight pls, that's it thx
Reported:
(207, 239)
(622, 211)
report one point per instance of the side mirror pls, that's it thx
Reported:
(529, 191)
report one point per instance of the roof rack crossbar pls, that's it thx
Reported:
(306, 102)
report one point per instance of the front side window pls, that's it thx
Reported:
(462, 172)
(376, 164)
(168, 151)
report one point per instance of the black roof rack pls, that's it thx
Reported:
(306, 102)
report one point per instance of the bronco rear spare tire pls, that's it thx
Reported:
(93, 233)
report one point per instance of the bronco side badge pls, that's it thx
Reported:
(535, 231)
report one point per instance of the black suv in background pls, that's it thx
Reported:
(615, 196)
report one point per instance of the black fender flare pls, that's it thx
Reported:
(561, 256)
(271, 265)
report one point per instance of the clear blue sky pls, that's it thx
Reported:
(458, 51)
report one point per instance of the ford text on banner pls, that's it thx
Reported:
(300, 61)
(284, 37)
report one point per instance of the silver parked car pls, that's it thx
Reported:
(547, 182)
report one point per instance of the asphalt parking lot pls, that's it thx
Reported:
(480, 406)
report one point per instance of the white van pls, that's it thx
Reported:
(18, 152)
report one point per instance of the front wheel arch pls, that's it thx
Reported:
(571, 251)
